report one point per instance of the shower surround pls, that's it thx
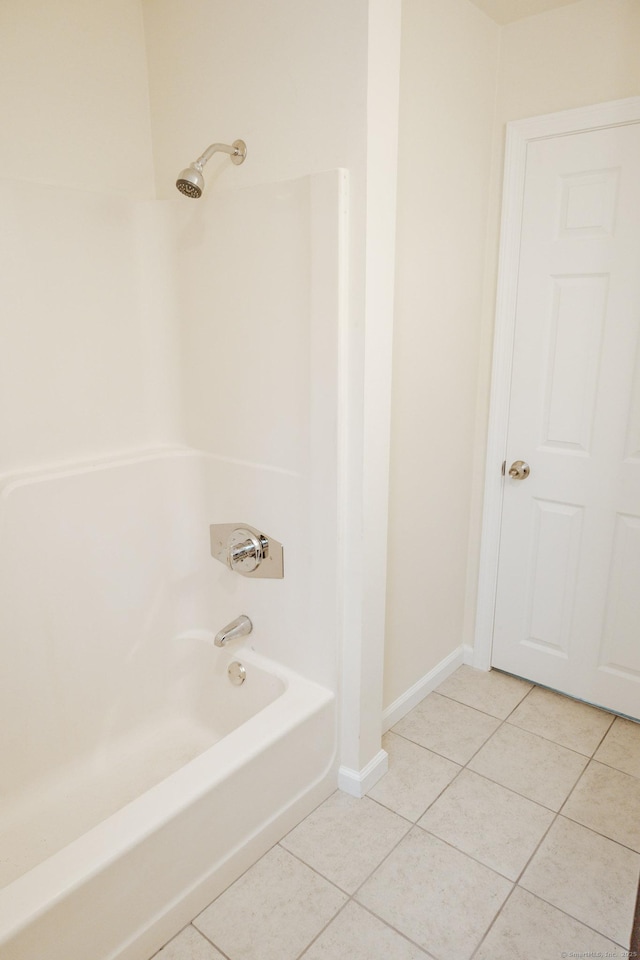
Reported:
(189, 374)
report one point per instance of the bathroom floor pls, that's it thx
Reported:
(507, 828)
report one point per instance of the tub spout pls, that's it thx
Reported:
(241, 627)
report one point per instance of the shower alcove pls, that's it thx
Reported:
(188, 374)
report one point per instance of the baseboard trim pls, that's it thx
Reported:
(358, 782)
(468, 654)
(411, 697)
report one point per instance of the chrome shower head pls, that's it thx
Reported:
(191, 182)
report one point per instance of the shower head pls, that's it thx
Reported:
(191, 182)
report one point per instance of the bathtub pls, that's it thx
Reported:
(109, 856)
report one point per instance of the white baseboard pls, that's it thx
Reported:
(411, 697)
(358, 782)
(468, 654)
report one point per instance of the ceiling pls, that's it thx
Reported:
(506, 11)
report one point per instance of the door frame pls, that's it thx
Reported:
(519, 134)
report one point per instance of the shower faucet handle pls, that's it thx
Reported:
(246, 550)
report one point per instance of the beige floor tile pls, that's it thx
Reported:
(587, 876)
(416, 777)
(489, 822)
(357, 935)
(535, 768)
(435, 895)
(487, 690)
(529, 928)
(568, 722)
(272, 912)
(344, 839)
(451, 729)
(189, 945)
(621, 747)
(607, 801)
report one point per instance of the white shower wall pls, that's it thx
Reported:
(259, 274)
(79, 373)
(105, 522)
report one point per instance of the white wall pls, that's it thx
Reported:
(447, 93)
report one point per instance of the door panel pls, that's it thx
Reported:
(577, 323)
(568, 595)
(552, 573)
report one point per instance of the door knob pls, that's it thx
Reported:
(519, 470)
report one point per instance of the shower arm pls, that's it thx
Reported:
(237, 151)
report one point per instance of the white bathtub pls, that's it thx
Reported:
(117, 850)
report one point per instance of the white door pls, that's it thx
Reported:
(568, 590)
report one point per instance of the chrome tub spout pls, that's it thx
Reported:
(241, 627)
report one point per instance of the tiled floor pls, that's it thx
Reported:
(507, 828)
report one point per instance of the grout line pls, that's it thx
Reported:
(464, 853)
(464, 766)
(320, 932)
(573, 788)
(584, 826)
(538, 845)
(214, 945)
(384, 860)
(610, 766)
(430, 804)
(587, 756)
(322, 876)
(605, 734)
(490, 927)
(463, 703)
(443, 755)
(233, 883)
(172, 937)
(404, 936)
(371, 913)
(576, 920)
(587, 826)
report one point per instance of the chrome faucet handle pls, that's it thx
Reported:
(246, 550)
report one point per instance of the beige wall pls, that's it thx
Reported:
(580, 54)
(75, 106)
(587, 52)
(448, 234)
(288, 77)
(447, 93)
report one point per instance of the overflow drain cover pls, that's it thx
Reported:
(237, 673)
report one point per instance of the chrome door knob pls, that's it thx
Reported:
(519, 470)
